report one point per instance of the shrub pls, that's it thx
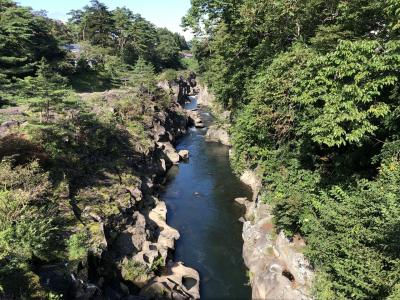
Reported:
(78, 245)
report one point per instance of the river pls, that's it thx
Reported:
(200, 198)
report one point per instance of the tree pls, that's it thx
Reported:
(47, 91)
(5, 89)
(94, 23)
(143, 78)
(181, 41)
(348, 108)
(116, 70)
(24, 39)
(136, 37)
(167, 48)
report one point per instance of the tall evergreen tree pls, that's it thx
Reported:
(143, 78)
(47, 91)
(94, 23)
(24, 39)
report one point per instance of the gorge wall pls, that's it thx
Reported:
(277, 267)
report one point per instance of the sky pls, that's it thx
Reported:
(163, 13)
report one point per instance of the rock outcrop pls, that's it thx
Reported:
(179, 282)
(219, 135)
(131, 244)
(195, 119)
(251, 178)
(204, 96)
(278, 268)
(183, 154)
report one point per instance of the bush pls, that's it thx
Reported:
(352, 235)
(134, 271)
(78, 245)
(27, 226)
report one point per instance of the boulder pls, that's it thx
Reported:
(219, 135)
(168, 235)
(180, 282)
(161, 134)
(241, 201)
(131, 240)
(184, 154)
(195, 119)
(170, 152)
(173, 157)
(198, 123)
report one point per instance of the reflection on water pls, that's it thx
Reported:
(199, 195)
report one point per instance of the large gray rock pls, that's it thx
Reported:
(251, 179)
(184, 154)
(180, 282)
(219, 135)
(131, 240)
(195, 119)
(161, 134)
(242, 200)
(205, 97)
(170, 152)
(168, 235)
(278, 268)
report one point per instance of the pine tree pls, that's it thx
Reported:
(143, 77)
(47, 91)
(24, 39)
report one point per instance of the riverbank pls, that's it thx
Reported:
(112, 153)
(277, 267)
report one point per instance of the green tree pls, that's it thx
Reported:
(123, 18)
(167, 49)
(181, 41)
(47, 91)
(136, 37)
(143, 78)
(24, 39)
(116, 70)
(94, 23)
(342, 92)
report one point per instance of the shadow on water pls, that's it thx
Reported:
(199, 195)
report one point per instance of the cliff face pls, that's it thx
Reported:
(277, 267)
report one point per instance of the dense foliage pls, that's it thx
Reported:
(315, 93)
(96, 48)
(68, 160)
(122, 33)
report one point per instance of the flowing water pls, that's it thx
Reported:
(200, 198)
